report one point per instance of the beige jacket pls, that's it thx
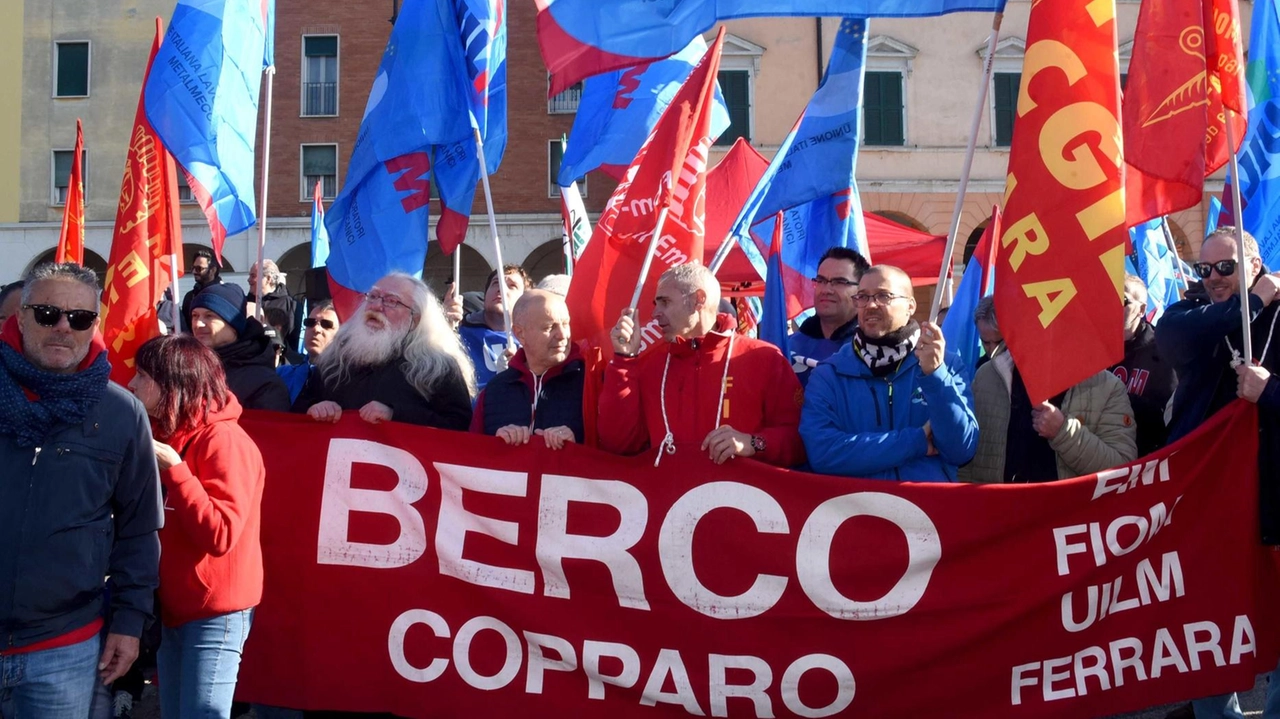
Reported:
(1099, 432)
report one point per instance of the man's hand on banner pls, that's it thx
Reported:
(1251, 381)
(375, 412)
(930, 348)
(725, 443)
(626, 341)
(1047, 420)
(514, 434)
(556, 437)
(453, 306)
(325, 412)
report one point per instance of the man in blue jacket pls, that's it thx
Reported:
(835, 317)
(888, 405)
(79, 501)
(1203, 336)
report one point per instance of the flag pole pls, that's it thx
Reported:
(1247, 351)
(497, 245)
(1177, 261)
(457, 271)
(956, 214)
(262, 212)
(722, 253)
(648, 255)
(177, 298)
(566, 244)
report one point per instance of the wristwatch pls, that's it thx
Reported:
(757, 443)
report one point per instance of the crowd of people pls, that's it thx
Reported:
(157, 488)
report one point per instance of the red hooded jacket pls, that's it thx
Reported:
(211, 557)
(763, 396)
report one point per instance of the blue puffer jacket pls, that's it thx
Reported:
(858, 425)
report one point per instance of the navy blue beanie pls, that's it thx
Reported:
(225, 301)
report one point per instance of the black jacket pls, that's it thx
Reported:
(250, 364)
(279, 299)
(1151, 382)
(1194, 334)
(448, 407)
(83, 506)
(509, 397)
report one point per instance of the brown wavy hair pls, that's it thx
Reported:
(191, 380)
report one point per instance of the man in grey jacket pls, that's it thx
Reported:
(79, 501)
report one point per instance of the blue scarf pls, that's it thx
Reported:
(62, 398)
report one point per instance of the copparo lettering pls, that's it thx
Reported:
(562, 495)
(607, 665)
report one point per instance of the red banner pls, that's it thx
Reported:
(148, 229)
(1187, 70)
(1061, 258)
(669, 172)
(71, 237)
(429, 573)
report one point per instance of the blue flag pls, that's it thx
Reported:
(1259, 155)
(619, 109)
(1215, 215)
(1156, 264)
(817, 159)
(774, 319)
(202, 99)
(417, 127)
(978, 281)
(581, 38)
(319, 233)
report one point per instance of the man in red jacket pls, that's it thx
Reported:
(704, 388)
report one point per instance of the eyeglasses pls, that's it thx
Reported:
(326, 324)
(387, 301)
(48, 316)
(1225, 268)
(882, 298)
(838, 282)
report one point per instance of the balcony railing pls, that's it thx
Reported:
(319, 98)
(566, 103)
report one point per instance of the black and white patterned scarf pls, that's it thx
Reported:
(884, 354)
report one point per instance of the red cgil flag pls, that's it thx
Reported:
(1187, 70)
(71, 238)
(1060, 264)
(147, 232)
(670, 170)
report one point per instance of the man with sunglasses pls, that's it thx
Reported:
(1202, 337)
(835, 316)
(79, 501)
(204, 273)
(320, 327)
(888, 405)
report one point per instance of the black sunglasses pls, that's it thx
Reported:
(312, 322)
(48, 316)
(1225, 268)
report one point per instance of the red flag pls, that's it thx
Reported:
(1061, 256)
(729, 185)
(1187, 70)
(71, 239)
(147, 233)
(670, 171)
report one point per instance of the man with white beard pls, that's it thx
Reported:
(397, 359)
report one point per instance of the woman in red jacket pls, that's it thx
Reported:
(211, 559)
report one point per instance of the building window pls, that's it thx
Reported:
(319, 164)
(882, 111)
(62, 174)
(71, 69)
(735, 87)
(319, 75)
(566, 103)
(1006, 105)
(184, 189)
(555, 153)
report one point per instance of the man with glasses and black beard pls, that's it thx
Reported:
(395, 359)
(888, 405)
(835, 315)
(79, 501)
(204, 273)
(1202, 336)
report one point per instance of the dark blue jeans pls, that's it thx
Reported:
(198, 663)
(52, 684)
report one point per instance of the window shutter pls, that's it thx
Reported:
(1006, 105)
(735, 87)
